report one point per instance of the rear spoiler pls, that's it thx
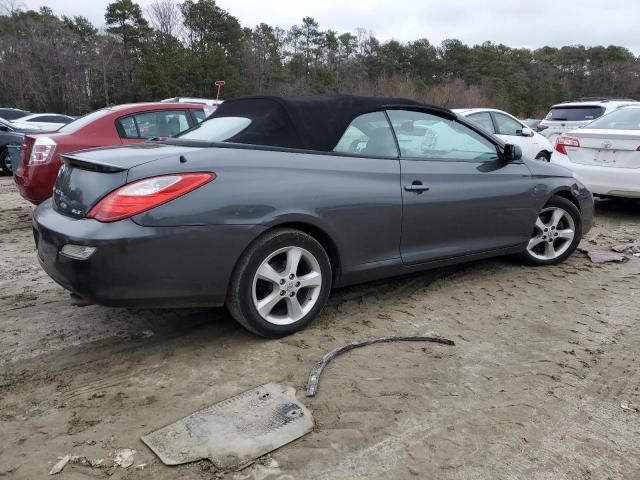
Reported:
(94, 166)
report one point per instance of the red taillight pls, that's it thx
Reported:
(42, 151)
(563, 142)
(141, 195)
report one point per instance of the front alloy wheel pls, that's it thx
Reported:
(556, 234)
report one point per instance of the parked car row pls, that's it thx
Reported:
(605, 154)
(10, 114)
(43, 121)
(40, 157)
(598, 139)
(10, 135)
(15, 123)
(34, 121)
(570, 115)
(511, 130)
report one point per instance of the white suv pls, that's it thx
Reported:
(567, 116)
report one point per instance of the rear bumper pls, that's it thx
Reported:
(35, 182)
(620, 182)
(141, 266)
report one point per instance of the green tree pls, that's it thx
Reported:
(124, 19)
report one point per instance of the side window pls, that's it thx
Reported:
(423, 136)
(161, 123)
(483, 119)
(51, 118)
(127, 126)
(199, 115)
(507, 125)
(165, 123)
(368, 135)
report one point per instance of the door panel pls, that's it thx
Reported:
(459, 197)
(469, 208)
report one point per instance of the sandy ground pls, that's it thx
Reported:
(533, 389)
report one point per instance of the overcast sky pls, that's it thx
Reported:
(532, 23)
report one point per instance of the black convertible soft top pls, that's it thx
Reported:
(304, 122)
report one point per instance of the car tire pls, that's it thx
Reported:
(544, 157)
(551, 242)
(280, 283)
(5, 162)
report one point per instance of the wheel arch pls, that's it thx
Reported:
(567, 194)
(544, 151)
(320, 234)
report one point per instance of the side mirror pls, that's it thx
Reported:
(527, 132)
(512, 152)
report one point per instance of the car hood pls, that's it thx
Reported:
(545, 169)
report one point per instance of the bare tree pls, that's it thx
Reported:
(165, 17)
(11, 7)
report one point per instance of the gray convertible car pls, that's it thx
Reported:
(273, 201)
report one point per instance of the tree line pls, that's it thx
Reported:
(65, 64)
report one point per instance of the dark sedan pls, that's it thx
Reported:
(273, 201)
(9, 135)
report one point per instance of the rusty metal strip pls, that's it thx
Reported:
(314, 375)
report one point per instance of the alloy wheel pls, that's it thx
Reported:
(553, 234)
(286, 285)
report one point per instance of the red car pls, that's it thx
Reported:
(118, 125)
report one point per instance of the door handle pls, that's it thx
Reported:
(416, 187)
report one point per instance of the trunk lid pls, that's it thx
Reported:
(87, 176)
(606, 148)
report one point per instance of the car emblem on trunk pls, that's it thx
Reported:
(606, 145)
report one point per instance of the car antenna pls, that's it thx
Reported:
(183, 159)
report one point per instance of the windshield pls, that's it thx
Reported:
(218, 129)
(574, 114)
(627, 119)
(76, 125)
